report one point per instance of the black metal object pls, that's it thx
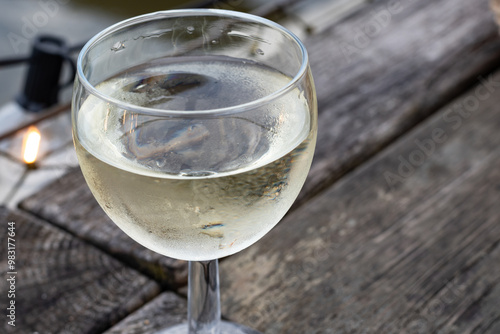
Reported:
(42, 82)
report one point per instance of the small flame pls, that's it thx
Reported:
(31, 144)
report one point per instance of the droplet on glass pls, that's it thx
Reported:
(259, 52)
(161, 162)
(118, 46)
(190, 29)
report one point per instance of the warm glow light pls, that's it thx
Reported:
(31, 144)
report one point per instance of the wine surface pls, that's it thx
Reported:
(200, 187)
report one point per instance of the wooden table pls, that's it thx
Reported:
(396, 231)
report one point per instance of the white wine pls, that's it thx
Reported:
(201, 187)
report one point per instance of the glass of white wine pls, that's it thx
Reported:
(195, 131)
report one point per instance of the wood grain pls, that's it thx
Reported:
(166, 310)
(69, 204)
(64, 285)
(428, 51)
(394, 246)
(386, 68)
(416, 252)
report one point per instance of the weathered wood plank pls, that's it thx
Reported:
(166, 310)
(63, 285)
(401, 76)
(405, 244)
(69, 204)
(317, 15)
(374, 85)
(387, 67)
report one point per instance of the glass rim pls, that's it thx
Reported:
(191, 12)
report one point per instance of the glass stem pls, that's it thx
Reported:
(204, 297)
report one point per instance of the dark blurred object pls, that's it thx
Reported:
(42, 82)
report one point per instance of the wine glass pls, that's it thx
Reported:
(195, 131)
